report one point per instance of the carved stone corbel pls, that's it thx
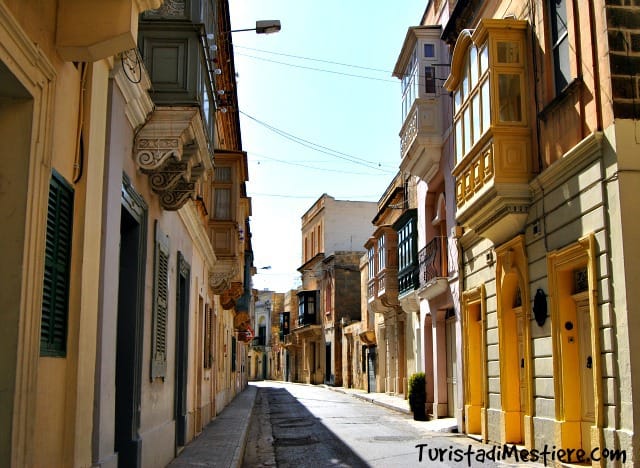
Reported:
(222, 274)
(172, 150)
(230, 296)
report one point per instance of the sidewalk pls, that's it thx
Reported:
(222, 442)
(398, 404)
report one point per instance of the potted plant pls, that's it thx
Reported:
(418, 396)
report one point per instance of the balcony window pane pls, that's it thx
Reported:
(486, 106)
(484, 59)
(222, 174)
(457, 100)
(222, 207)
(509, 96)
(430, 80)
(477, 121)
(459, 141)
(372, 267)
(473, 67)
(381, 254)
(429, 50)
(467, 129)
(465, 82)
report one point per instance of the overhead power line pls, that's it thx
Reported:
(293, 163)
(317, 147)
(317, 69)
(313, 59)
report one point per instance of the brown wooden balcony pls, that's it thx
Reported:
(382, 290)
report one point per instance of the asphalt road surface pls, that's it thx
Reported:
(297, 425)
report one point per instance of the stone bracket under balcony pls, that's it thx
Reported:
(308, 331)
(433, 288)
(368, 337)
(221, 276)
(171, 148)
(410, 302)
(421, 140)
(499, 213)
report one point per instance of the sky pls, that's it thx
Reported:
(320, 112)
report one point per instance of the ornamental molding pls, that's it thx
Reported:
(171, 148)
(133, 81)
(192, 219)
(221, 275)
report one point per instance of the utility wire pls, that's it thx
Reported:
(313, 167)
(313, 59)
(317, 69)
(350, 197)
(335, 63)
(317, 147)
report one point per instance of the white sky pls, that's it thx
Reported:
(355, 116)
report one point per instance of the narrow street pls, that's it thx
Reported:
(303, 425)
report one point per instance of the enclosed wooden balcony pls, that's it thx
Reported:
(418, 67)
(489, 80)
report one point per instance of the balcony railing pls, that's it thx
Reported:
(407, 279)
(304, 320)
(431, 260)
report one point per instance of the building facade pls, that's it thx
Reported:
(329, 296)
(426, 158)
(120, 257)
(540, 139)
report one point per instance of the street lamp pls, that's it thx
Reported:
(263, 27)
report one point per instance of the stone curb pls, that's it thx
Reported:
(238, 454)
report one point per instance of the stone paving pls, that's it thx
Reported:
(223, 441)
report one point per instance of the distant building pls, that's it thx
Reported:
(332, 233)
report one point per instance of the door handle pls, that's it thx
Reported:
(522, 363)
(589, 362)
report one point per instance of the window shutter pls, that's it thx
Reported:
(160, 305)
(55, 294)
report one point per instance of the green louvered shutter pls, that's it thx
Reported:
(160, 306)
(55, 293)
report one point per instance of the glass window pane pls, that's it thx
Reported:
(457, 100)
(484, 59)
(475, 117)
(222, 174)
(509, 98)
(467, 129)
(459, 141)
(486, 106)
(222, 207)
(429, 50)
(562, 64)
(430, 80)
(473, 66)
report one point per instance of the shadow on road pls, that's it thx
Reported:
(299, 438)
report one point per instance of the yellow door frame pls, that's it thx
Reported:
(475, 399)
(512, 273)
(561, 264)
